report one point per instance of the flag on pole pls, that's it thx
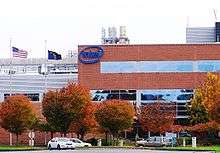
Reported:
(54, 56)
(19, 53)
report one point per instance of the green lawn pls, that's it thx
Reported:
(18, 148)
(210, 148)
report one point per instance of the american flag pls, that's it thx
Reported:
(19, 53)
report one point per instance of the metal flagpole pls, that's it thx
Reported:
(11, 57)
(10, 64)
(45, 81)
(45, 68)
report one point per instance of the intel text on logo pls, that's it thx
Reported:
(91, 54)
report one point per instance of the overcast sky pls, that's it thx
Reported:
(68, 23)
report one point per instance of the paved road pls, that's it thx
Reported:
(108, 151)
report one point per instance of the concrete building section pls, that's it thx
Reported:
(200, 35)
(33, 77)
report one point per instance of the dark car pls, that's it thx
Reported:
(184, 134)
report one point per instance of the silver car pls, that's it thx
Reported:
(80, 143)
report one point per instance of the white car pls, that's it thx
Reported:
(60, 143)
(80, 143)
(142, 142)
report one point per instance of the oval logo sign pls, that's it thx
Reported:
(91, 54)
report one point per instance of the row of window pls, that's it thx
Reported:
(100, 95)
(180, 96)
(69, 68)
(160, 66)
(31, 96)
(166, 95)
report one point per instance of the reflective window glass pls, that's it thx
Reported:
(209, 66)
(160, 66)
(101, 95)
(185, 97)
(166, 95)
(31, 96)
(146, 66)
(206, 68)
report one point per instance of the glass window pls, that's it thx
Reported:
(148, 97)
(179, 97)
(166, 95)
(146, 66)
(6, 96)
(209, 66)
(206, 68)
(185, 97)
(181, 113)
(118, 67)
(160, 66)
(101, 95)
(31, 96)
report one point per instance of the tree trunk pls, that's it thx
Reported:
(82, 136)
(78, 135)
(106, 138)
(113, 140)
(64, 134)
(16, 138)
(116, 142)
(51, 135)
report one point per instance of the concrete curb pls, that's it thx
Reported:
(152, 148)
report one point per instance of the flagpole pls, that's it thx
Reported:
(11, 57)
(10, 64)
(45, 68)
(45, 79)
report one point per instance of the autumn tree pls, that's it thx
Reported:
(210, 93)
(17, 115)
(86, 123)
(62, 107)
(157, 117)
(206, 131)
(115, 115)
(196, 110)
(204, 112)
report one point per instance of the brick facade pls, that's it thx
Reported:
(90, 76)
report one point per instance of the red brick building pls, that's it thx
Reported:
(141, 74)
(146, 73)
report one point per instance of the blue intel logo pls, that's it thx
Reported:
(91, 54)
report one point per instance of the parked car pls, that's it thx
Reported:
(142, 142)
(60, 143)
(79, 143)
(156, 142)
(184, 134)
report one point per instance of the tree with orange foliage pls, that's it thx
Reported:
(17, 114)
(210, 94)
(62, 107)
(86, 122)
(206, 130)
(157, 117)
(115, 115)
